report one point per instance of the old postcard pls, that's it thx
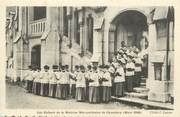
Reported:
(98, 59)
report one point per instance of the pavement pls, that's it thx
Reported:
(17, 98)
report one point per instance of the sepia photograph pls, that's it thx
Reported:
(94, 58)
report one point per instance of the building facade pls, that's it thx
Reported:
(83, 35)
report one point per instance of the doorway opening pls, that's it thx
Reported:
(36, 56)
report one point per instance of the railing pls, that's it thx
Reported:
(37, 27)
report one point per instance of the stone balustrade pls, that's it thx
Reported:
(37, 27)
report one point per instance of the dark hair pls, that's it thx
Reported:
(89, 67)
(29, 66)
(94, 67)
(81, 67)
(66, 66)
(55, 66)
(122, 43)
(106, 66)
(46, 67)
(62, 67)
(77, 66)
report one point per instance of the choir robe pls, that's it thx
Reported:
(73, 84)
(129, 76)
(68, 85)
(138, 69)
(94, 94)
(29, 80)
(64, 85)
(45, 83)
(119, 81)
(100, 73)
(38, 83)
(106, 87)
(87, 76)
(112, 72)
(35, 81)
(52, 84)
(80, 87)
(58, 88)
(144, 57)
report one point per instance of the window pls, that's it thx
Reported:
(65, 24)
(158, 71)
(77, 27)
(90, 33)
(39, 13)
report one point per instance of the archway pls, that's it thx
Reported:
(128, 26)
(36, 56)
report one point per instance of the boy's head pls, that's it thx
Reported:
(77, 67)
(89, 67)
(46, 68)
(63, 68)
(82, 68)
(106, 67)
(30, 67)
(94, 68)
(66, 67)
(55, 67)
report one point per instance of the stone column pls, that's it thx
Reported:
(82, 30)
(171, 57)
(158, 89)
(81, 37)
(18, 46)
(72, 25)
(106, 42)
(50, 51)
(26, 59)
(152, 48)
(112, 40)
(97, 43)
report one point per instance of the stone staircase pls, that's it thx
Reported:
(139, 92)
(139, 97)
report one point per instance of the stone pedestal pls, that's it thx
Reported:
(159, 89)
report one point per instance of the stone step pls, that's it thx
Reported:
(141, 90)
(136, 95)
(131, 100)
(143, 80)
(142, 84)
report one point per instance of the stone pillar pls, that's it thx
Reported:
(86, 41)
(25, 54)
(171, 57)
(48, 18)
(72, 25)
(112, 40)
(69, 27)
(50, 46)
(97, 44)
(158, 89)
(81, 37)
(18, 46)
(106, 43)
(152, 48)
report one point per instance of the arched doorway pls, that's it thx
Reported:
(128, 26)
(36, 56)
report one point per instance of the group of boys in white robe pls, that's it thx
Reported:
(127, 69)
(93, 84)
(82, 84)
